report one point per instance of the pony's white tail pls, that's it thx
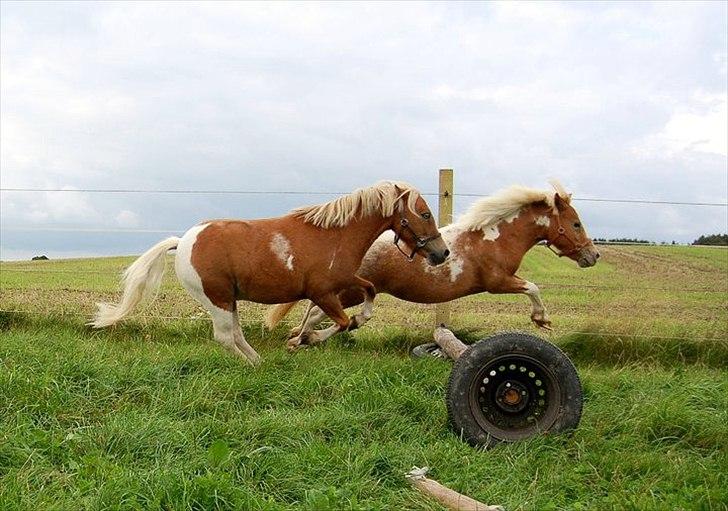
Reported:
(276, 313)
(140, 280)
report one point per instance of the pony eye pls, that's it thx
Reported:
(577, 225)
(426, 216)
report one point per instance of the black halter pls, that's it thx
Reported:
(420, 241)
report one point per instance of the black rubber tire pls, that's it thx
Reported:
(560, 412)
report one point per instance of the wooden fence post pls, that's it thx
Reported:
(444, 217)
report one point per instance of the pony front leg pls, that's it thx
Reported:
(513, 284)
(538, 310)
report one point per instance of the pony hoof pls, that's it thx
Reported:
(293, 344)
(543, 324)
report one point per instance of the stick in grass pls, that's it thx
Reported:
(451, 345)
(444, 495)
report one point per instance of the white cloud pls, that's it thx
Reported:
(330, 96)
(701, 126)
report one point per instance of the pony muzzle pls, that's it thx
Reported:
(588, 257)
(436, 254)
(433, 248)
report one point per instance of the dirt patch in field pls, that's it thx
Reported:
(654, 265)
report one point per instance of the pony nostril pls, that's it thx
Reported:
(446, 253)
(598, 255)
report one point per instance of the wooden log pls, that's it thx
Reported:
(444, 495)
(451, 345)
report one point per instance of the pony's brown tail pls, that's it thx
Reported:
(276, 313)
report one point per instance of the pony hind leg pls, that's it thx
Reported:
(227, 332)
(330, 306)
(242, 344)
(366, 312)
(311, 318)
(314, 315)
(299, 335)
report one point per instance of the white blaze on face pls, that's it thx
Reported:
(543, 220)
(282, 250)
(492, 233)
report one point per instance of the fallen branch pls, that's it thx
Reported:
(444, 495)
(451, 345)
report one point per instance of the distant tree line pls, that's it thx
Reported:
(707, 239)
(712, 239)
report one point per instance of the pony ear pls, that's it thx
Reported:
(560, 202)
(400, 193)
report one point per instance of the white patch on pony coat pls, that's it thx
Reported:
(186, 273)
(224, 322)
(455, 262)
(543, 220)
(492, 233)
(282, 250)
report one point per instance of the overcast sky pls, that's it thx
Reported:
(617, 100)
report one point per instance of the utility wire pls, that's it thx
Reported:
(293, 192)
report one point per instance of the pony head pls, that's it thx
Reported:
(567, 233)
(415, 225)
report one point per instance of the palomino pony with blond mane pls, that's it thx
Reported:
(487, 246)
(313, 253)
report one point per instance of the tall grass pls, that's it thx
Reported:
(154, 415)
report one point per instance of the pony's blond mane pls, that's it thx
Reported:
(507, 203)
(382, 198)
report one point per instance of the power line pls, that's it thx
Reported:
(178, 230)
(91, 229)
(332, 193)
(172, 192)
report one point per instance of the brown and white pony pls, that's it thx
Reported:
(487, 245)
(313, 252)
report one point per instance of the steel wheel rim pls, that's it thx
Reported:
(515, 396)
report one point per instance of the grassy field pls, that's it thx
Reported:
(153, 414)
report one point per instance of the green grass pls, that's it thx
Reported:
(153, 414)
